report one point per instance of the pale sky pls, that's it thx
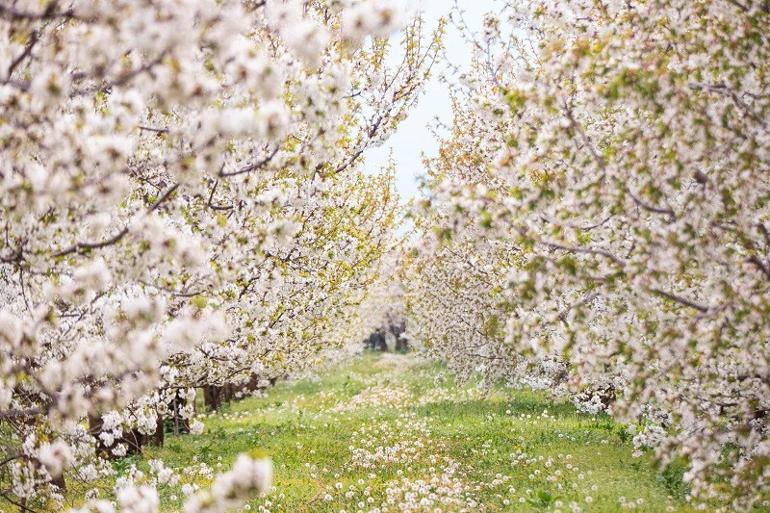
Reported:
(413, 138)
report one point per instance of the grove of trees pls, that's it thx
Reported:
(596, 222)
(181, 205)
(184, 205)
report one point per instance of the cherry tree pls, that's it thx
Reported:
(617, 153)
(382, 310)
(180, 205)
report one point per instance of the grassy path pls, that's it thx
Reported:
(388, 433)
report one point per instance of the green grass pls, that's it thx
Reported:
(505, 450)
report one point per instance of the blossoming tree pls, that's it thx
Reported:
(616, 153)
(180, 206)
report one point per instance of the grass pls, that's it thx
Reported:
(391, 430)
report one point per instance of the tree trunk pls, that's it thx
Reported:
(134, 440)
(59, 482)
(212, 397)
(94, 429)
(159, 437)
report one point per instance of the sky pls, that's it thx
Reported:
(413, 138)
